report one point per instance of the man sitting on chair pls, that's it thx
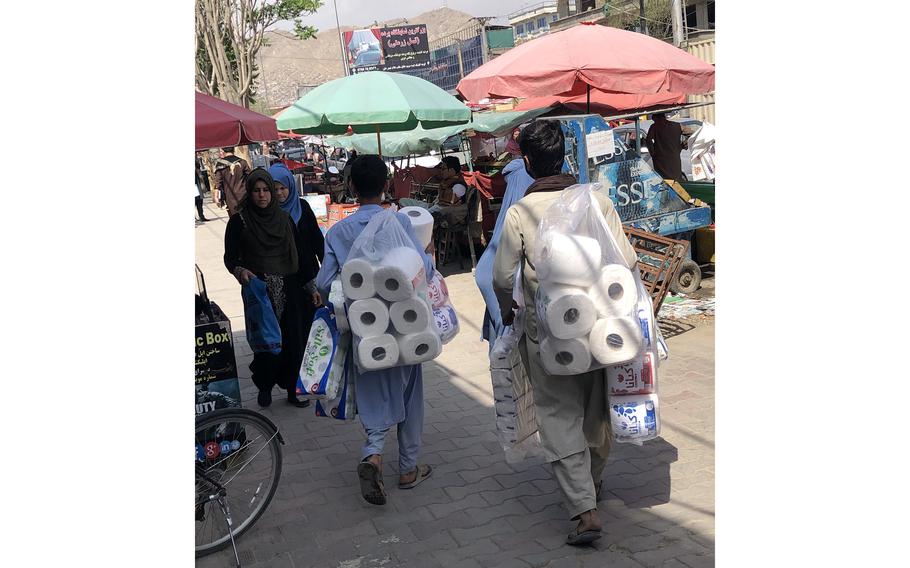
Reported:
(450, 203)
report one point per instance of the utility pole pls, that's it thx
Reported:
(344, 57)
(642, 24)
(484, 47)
(676, 21)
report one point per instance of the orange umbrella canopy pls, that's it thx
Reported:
(589, 57)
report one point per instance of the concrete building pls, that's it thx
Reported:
(533, 21)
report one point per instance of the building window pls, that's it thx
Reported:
(691, 17)
(520, 29)
(710, 15)
(541, 23)
(572, 7)
(530, 26)
(554, 17)
(587, 5)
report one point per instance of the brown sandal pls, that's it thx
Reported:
(423, 472)
(371, 486)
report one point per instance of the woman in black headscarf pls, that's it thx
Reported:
(262, 241)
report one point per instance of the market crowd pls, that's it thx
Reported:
(272, 235)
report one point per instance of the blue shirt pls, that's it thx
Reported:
(380, 394)
(517, 183)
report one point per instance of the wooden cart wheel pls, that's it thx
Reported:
(688, 278)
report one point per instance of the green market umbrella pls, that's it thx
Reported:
(373, 102)
(421, 140)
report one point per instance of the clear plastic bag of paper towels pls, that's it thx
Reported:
(384, 281)
(587, 300)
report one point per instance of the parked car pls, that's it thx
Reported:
(626, 133)
(368, 57)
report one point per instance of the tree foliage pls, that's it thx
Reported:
(626, 15)
(229, 35)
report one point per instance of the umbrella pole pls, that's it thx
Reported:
(589, 99)
(378, 143)
(637, 137)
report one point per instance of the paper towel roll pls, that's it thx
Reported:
(336, 300)
(446, 323)
(633, 377)
(419, 347)
(616, 340)
(422, 221)
(635, 418)
(565, 356)
(378, 352)
(410, 316)
(614, 292)
(357, 279)
(368, 318)
(400, 274)
(568, 311)
(569, 259)
(437, 291)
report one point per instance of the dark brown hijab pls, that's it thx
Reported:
(268, 244)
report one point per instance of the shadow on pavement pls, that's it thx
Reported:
(672, 328)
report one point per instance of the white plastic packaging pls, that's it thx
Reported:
(587, 292)
(394, 324)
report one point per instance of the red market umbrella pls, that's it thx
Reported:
(589, 57)
(220, 123)
(603, 103)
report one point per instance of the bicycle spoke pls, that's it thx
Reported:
(246, 478)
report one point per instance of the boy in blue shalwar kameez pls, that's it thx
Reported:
(387, 397)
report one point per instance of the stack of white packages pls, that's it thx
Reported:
(444, 315)
(513, 401)
(632, 386)
(388, 310)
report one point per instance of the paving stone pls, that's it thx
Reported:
(476, 548)
(697, 560)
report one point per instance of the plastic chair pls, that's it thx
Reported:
(449, 229)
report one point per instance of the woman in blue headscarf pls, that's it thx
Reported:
(310, 246)
(517, 182)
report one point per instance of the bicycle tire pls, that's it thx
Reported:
(253, 419)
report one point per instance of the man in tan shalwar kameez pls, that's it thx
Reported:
(572, 412)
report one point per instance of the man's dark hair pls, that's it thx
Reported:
(543, 143)
(228, 149)
(453, 162)
(369, 174)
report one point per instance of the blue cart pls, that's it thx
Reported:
(641, 197)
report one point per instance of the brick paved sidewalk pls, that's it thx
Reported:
(477, 510)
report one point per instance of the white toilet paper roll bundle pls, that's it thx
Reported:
(567, 311)
(634, 377)
(357, 279)
(336, 299)
(422, 221)
(368, 318)
(419, 347)
(614, 293)
(410, 316)
(616, 340)
(446, 323)
(400, 275)
(635, 418)
(565, 356)
(377, 352)
(568, 259)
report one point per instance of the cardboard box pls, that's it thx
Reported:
(319, 203)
